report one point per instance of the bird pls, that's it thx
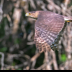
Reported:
(48, 25)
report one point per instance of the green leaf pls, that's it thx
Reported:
(4, 49)
(13, 64)
(19, 69)
(17, 41)
(63, 57)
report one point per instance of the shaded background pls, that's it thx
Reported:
(17, 48)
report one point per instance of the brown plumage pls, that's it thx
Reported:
(47, 28)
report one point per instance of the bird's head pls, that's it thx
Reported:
(33, 14)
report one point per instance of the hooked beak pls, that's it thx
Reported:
(27, 14)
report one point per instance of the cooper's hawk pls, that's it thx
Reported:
(47, 27)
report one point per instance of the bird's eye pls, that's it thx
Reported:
(29, 13)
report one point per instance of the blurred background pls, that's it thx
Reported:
(17, 48)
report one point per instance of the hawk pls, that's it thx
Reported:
(47, 27)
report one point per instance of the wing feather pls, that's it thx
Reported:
(47, 27)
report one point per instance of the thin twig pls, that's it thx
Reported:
(2, 60)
